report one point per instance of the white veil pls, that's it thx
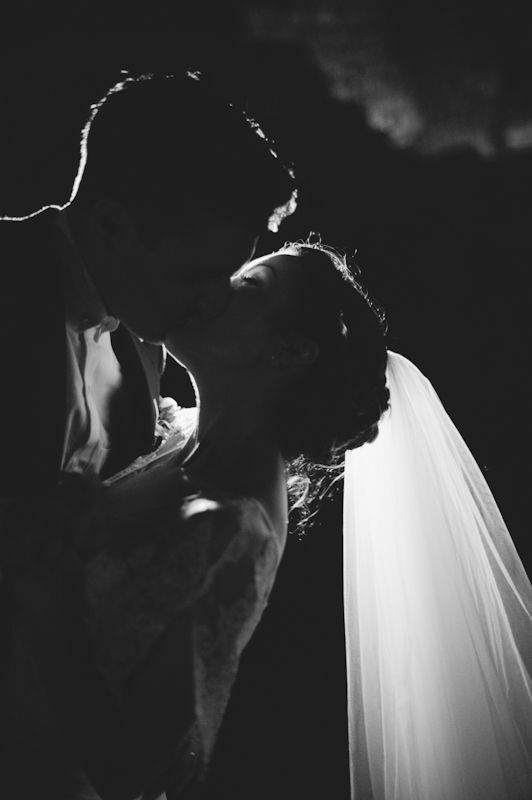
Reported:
(438, 615)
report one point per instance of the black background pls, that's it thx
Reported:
(442, 228)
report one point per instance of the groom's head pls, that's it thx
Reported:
(174, 187)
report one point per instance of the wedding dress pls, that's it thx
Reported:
(209, 552)
(157, 551)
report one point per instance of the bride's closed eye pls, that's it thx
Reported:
(257, 276)
(247, 279)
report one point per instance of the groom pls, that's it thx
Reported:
(173, 189)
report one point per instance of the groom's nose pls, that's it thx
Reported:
(214, 299)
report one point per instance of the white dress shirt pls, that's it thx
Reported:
(93, 373)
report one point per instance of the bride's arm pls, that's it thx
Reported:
(122, 683)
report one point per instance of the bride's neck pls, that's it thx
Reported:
(231, 408)
(236, 450)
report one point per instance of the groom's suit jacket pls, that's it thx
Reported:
(33, 366)
(33, 414)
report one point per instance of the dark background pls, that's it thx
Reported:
(410, 127)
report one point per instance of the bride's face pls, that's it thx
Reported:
(245, 336)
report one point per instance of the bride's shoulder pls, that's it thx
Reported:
(211, 551)
(230, 519)
(195, 528)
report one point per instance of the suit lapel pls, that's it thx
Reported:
(33, 350)
(133, 409)
(152, 358)
(32, 406)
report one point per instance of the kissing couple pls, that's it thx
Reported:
(139, 540)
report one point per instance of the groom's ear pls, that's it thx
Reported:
(294, 353)
(113, 224)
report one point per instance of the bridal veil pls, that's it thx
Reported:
(438, 615)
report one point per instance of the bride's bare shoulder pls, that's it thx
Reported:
(210, 547)
(230, 516)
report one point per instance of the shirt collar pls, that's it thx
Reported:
(84, 306)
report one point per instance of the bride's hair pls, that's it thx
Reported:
(338, 402)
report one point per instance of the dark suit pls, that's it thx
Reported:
(32, 431)
(33, 366)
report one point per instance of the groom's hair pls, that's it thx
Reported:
(175, 153)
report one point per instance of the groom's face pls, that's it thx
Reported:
(162, 286)
(247, 333)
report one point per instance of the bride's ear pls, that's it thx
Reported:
(294, 353)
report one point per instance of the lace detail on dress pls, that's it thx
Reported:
(226, 617)
(216, 557)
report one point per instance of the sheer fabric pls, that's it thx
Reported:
(438, 615)
(160, 563)
(214, 557)
(171, 551)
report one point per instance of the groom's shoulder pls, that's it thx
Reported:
(26, 232)
(30, 277)
(26, 245)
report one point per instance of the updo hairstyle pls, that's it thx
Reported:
(337, 403)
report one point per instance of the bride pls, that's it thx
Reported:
(137, 620)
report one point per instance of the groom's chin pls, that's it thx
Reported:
(181, 360)
(145, 335)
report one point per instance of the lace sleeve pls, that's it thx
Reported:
(214, 557)
(226, 616)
